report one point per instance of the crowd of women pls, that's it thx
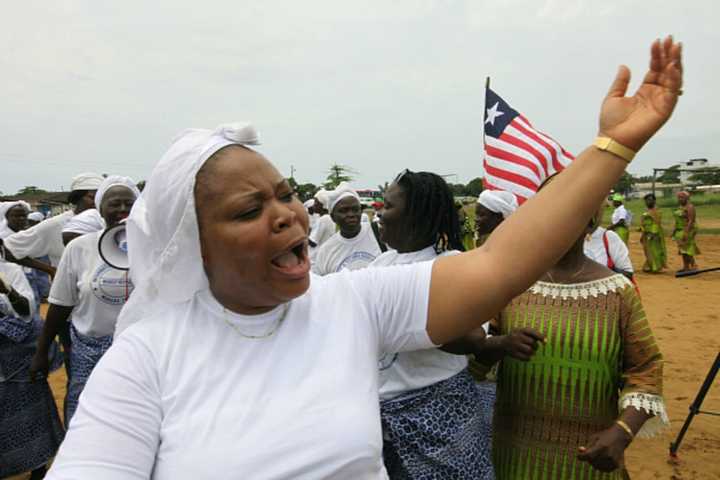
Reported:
(220, 354)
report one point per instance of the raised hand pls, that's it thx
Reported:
(631, 121)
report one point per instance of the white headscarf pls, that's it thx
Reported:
(114, 181)
(162, 230)
(498, 201)
(343, 190)
(322, 196)
(87, 221)
(5, 230)
(36, 216)
(86, 181)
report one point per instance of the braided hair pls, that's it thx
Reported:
(430, 210)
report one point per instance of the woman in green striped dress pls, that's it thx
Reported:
(596, 382)
(685, 231)
(653, 237)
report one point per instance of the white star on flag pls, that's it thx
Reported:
(492, 114)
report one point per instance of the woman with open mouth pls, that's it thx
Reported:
(231, 361)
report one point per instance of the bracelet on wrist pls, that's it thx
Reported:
(626, 428)
(607, 144)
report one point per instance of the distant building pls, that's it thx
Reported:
(48, 203)
(694, 164)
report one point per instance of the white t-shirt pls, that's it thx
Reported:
(324, 229)
(407, 371)
(321, 232)
(621, 213)
(96, 290)
(42, 239)
(14, 277)
(340, 253)
(312, 221)
(182, 395)
(594, 249)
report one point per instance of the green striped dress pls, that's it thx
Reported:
(600, 357)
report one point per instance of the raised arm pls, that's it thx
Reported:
(469, 289)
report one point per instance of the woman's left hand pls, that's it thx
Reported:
(631, 121)
(606, 450)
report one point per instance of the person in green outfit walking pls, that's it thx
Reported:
(685, 231)
(621, 218)
(653, 237)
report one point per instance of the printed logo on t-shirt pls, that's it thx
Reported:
(111, 286)
(356, 261)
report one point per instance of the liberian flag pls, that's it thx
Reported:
(518, 158)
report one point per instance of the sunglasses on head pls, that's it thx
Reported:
(402, 174)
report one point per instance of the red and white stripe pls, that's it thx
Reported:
(521, 159)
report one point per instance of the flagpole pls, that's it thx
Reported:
(487, 85)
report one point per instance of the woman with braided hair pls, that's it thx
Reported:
(435, 419)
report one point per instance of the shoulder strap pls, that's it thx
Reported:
(376, 233)
(610, 263)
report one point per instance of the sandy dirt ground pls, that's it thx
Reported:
(685, 315)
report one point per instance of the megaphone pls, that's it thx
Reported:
(113, 247)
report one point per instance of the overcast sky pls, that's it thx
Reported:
(376, 85)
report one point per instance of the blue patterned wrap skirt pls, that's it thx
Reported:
(30, 428)
(86, 352)
(440, 432)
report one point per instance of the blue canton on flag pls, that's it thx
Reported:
(518, 158)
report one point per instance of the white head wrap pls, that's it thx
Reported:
(6, 206)
(322, 196)
(343, 190)
(36, 217)
(86, 181)
(4, 209)
(308, 203)
(498, 201)
(114, 181)
(87, 221)
(162, 231)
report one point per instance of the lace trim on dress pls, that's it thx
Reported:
(581, 290)
(652, 404)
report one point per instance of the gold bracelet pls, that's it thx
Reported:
(607, 144)
(627, 429)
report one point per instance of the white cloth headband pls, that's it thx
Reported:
(498, 201)
(114, 181)
(86, 181)
(343, 190)
(322, 196)
(6, 206)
